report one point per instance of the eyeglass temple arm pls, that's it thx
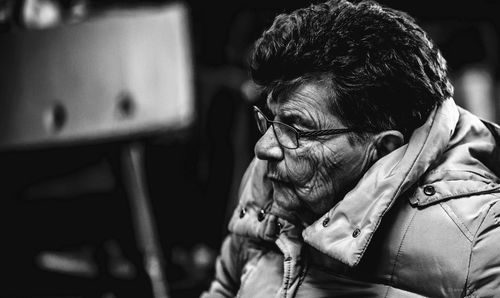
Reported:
(323, 132)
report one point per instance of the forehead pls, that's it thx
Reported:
(310, 96)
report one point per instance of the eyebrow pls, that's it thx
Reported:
(295, 118)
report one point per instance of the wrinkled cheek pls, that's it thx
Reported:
(285, 192)
(304, 170)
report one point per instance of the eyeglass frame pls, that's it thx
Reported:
(298, 133)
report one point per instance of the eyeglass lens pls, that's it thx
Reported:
(286, 135)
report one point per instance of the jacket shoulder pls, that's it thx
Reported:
(416, 245)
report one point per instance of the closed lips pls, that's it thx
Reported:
(276, 178)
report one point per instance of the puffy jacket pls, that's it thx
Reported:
(422, 222)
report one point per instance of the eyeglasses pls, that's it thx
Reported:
(288, 136)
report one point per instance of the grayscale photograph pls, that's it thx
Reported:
(250, 149)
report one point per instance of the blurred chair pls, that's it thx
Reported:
(76, 104)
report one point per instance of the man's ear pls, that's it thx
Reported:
(387, 141)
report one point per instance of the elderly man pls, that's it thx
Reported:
(369, 181)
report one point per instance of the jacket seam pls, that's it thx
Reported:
(469, 291)
(458, 195)
(286, 268)
(488, 178)
(389, 287)
(302, 277)
(287, 278)
(455, 170)
(456, 220)
(399, 252)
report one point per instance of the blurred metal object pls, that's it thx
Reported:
(76, 263)
(78, 11)
(41, 14)
(142, 215)
(118, 75)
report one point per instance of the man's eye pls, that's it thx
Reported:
(301, 125)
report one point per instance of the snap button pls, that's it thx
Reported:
(429, 190)
(243, 211)
(356, 233)
(326, 221)
(261, 215)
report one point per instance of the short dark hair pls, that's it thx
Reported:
(384, 71)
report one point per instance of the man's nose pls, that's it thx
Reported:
(268, 148)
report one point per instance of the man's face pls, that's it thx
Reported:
(310, 180)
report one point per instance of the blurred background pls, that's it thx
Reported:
(125, 128)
